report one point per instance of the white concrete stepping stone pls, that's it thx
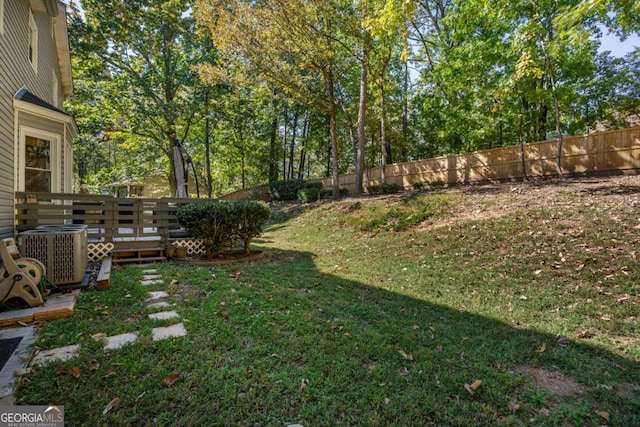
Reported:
(152, 276)
(161, 304)
(118, 341)
(18, 360)
(150, 282)
(151, 271)
(157, 295)
(176, 330)
(164, 315)
(57, 354)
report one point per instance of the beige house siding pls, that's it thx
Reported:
(157, 186)
(17, 72)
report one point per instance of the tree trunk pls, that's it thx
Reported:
(273, 161)
(556, 107)
(521, 141)
(362, 116)
(284, 143)
(405, 105)
(207, 144)
(331, 98)
(303, 153)
(292, 146)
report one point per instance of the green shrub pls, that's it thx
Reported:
(384, 189)
(249, 218)
(313, 184)
(285, 189)
(374, 189)
(209, 221)
(218, 223)
(437, 183)
(308, 195)
(328, 193)
(420, 185)
(256, 194)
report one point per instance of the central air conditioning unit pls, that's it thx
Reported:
(62, 250)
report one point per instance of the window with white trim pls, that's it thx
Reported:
(39, 161)
(37, 164)
(33, 42)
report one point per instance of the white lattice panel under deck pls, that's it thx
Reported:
(98, 251)
(194, 246)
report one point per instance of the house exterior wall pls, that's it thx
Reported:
(16, 71)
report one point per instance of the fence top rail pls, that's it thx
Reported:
(22, 195)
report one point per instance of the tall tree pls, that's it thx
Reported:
(140, 50)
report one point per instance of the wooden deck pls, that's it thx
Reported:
(113, 224)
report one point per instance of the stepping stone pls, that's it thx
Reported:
(118, 341)
(164, 315)
(157, 295)
(151, 282)
(57, 354)
(161, 304)
(151, 271)
(152, 276)
(17, 361)
(176, 330)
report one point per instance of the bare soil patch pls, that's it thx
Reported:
(491, 201)
(554, 382)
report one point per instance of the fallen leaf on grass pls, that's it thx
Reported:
(473, 387)
(514, 406)
(75, 371)
(603, 414)
(113, 404)
(93, 365)
(21, 372)
(623, 298)
(404, 372)
(586, 334)
(304, 383)
(387, 400)
(140, 396)
(407, 356)
(562, 340)
(170, 380)
(21, 323)
(99, 336)
(61, 370)
(415, 327)
(539, 348)
(109, 373)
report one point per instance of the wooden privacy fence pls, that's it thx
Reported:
(112, 223)
(602, 153)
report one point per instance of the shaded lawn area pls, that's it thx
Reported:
(344, 327)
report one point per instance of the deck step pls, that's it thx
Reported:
(138, 255)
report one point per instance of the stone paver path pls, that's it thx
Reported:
(156, 304)
(118, 341)
(176, 330)
(164, 315)
(61, 354)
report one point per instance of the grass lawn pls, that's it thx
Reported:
(377, 312)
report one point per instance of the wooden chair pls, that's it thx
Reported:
(19, 277)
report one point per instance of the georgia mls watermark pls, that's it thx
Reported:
(32, 416)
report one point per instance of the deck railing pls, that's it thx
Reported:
(112, 222)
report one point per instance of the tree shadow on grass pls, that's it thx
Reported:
(279, 342)
(328, 351)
